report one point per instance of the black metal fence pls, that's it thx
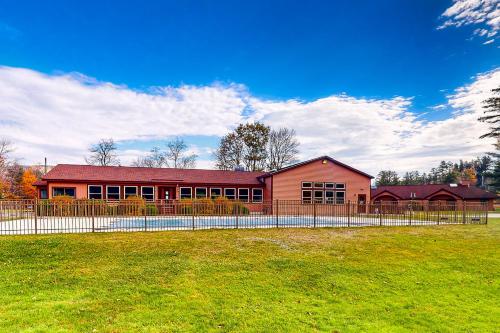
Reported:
(52, 216)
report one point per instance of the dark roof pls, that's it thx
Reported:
(297, 165)
(404, 192)
(70, 172)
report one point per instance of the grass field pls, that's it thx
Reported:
(405, 279)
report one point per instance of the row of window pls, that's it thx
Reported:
(242, 194)
(323, 196)
(113, 192)
(337, 186)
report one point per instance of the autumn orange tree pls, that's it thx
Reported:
(27, 180)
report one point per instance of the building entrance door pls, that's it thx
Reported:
(166, 193)
(361, 203)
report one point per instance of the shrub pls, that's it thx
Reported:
(204, 206)
(223, 206)
(185, 207)
(151, 209)
(62, 205)
(134, 205)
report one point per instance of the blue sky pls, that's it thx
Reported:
(268, 52)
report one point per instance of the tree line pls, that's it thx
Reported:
(251, 147)
(16, 181)
(476, 171)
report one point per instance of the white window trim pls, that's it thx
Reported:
(206, 192)
(342, 198)
(307, 186)
(190, 191)
(154, 191)
(340, 188)
(322, 185)
(248, 193)
(216, 188)
(310, 200)
(332, 199)
(330, 183)
(88, 191)
(119, 192)
(261, 195)
(231, 188)
(125, 191)
(322, 196)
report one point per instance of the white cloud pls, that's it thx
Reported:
(485, 13)
(59, 116)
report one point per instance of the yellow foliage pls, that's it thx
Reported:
(29, 177)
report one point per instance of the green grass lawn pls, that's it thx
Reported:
(405, 279)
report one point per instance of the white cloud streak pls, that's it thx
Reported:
(59, 116)
(485, 13)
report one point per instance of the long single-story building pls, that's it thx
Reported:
(456, 194)
(319, 180)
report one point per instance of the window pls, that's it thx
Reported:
(69, 191)
(95, 192)
(201, 192)
(306, 196)
(340, 186)
(318, 185)
(130, 191)
(318, 196)
(43, 194)
(148, 193)
(329, 185)
(306, 184)
(113, 192)
(230, 193)
(215, 192)
(243, 194)
(340, 197)
(257, 195)
(329, 197)
(186, 192)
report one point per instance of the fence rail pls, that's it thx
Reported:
(51, 216)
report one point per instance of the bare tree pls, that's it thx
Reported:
(155, 159)
(176, 155)
(282, 148)
(5, 148)
(229, 154)
(103, 153)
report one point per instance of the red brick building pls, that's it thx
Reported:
(320, 180)
(445, 193)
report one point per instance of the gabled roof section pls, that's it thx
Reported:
(422, 192)
(385, 192)
(298, 165)
(90, 173)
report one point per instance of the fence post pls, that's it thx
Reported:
(439, 212)
(464, 211)
(145, 220)
(35, 212)
(348, 213)
(237, 214)
(192, 213)
(314, 214)
(485, 208)
(411, 212)
(277, 213)
(380, 212)
(93, 214)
